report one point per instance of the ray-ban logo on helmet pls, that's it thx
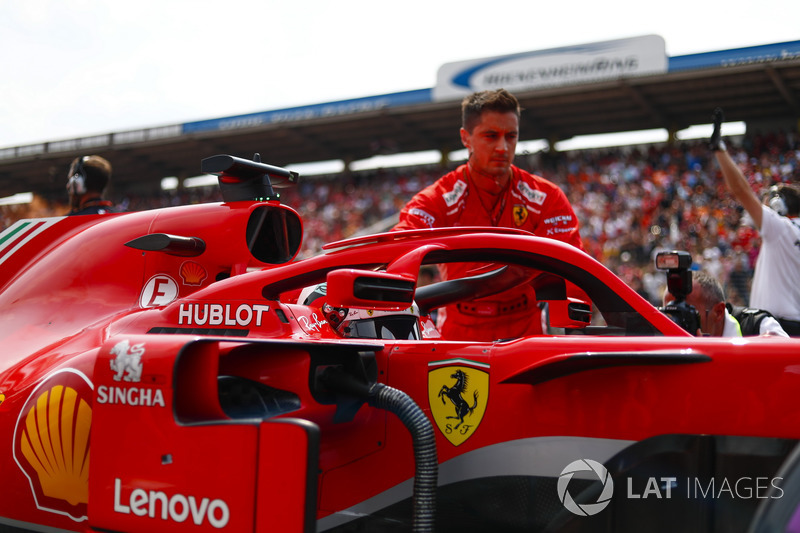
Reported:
(593, 469)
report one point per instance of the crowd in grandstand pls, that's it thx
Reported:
(631, 203)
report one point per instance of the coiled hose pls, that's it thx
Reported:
(425, 460)
(426, 464)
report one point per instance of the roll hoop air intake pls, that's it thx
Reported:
(413, 418)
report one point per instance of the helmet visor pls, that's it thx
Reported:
(400, 327)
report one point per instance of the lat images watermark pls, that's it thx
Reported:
(693, 488)
(662, 488)
(584, 465)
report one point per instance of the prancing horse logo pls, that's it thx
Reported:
(458, 395)
(455, 394)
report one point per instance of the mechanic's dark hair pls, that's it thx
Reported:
(791, 197)
(96, 169)
(474, 105)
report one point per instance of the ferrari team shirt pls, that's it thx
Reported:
(529, 203)
(776, 280)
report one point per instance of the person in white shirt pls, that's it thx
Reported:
(716, 317)
(776, 278)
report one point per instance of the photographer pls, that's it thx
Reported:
(715, 317)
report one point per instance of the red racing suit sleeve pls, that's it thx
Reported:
(429, 208)
(419, 212)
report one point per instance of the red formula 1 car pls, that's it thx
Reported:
(176, 370)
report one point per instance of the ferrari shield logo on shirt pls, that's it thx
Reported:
(520, 214)
(458, 392)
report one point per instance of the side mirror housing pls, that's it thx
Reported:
(368, 289)
(569, 313)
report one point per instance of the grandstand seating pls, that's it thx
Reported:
(631, 202)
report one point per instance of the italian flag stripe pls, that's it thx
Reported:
(21, 232)
(459, 361)
(13, 230)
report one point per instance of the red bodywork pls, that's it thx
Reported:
(195, 379)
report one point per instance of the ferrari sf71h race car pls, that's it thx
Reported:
(178, 370)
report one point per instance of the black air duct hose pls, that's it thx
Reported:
(413, 418)
(426, 464)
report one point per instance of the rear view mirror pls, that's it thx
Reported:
(274, 234)
(569, 313)
(368, 289)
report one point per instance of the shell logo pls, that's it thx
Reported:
(51, 443)
(192, 273)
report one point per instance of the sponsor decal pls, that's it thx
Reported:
(128, 361)
(520, 214)
(424, 215)
(532, 195)
(451, 197)
(204, 314)
(553, 67)
(556, 231)
(357, 314)
(192, 273)
(458, 392)
(51, 443)
(127, 366)
(135, 396)
(171, 507)
(21, 232)
(312, 323)
(560, 219)
(429, 330)
(159, 290)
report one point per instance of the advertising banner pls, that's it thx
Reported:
(527, 71)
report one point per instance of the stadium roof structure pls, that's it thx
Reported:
(758, 85)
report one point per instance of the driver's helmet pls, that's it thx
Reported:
(364, 323)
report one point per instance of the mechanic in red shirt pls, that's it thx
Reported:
(490, 191)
